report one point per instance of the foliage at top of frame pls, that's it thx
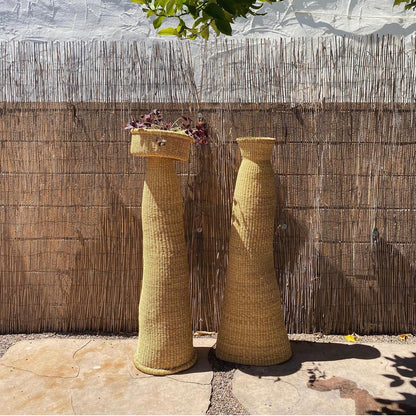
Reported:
(409, 4)
(197, 18)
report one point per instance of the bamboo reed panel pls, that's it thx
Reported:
(70, 253)
(333, 69)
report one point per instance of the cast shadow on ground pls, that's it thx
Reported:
(304, 351)
(202, 365)
(406, 369)
(365, 402)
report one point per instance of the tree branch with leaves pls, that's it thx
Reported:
(196, 18)
(408, 4)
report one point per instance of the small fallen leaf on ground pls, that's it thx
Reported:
(352, 337)
(404, 337)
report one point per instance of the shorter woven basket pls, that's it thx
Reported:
(160, 143)
(252, 329)
(165, 329)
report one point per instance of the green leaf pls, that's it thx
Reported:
(161, 3)
(181, 27)
(192, 10)
(214, 26)
(170, 6)
(158, 22)
(224, 27)
(205, 32)
(409, 4)
(228, 5)
(169, 31)
(198, 21)
(139, 1)
(214, 11)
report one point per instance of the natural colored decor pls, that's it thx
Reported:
(165, 329)
(252, 329)
(71, 242)
(160, 144)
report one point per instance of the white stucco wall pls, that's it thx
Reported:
(47, 20)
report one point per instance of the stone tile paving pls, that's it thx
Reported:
(90, 374)
(334, 378)
(80, 376)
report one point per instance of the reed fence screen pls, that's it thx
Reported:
(70, 192)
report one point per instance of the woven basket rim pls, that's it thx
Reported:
(180, 134)
(255, 139)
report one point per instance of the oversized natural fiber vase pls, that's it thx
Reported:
(165, 328)
(252, 329)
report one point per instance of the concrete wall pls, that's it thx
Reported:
(47, 20)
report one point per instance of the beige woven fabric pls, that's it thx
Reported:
(160, 143)
(252, 329)
(165, 329)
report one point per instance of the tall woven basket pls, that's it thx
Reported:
(165, 328)
(252, 329)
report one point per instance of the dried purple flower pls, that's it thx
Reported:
(154, 120)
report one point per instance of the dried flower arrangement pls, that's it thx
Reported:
(154, 120)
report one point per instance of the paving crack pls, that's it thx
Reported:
(39, 375)
(297, 392)
(72, 406)
(187, 382)
(222, 400)
(80, 348)
(13, 367)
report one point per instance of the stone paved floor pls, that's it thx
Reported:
(56, 375)
(67, 376)
(334, 378)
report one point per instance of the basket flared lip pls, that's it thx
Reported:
(180, 134)
(255, 139)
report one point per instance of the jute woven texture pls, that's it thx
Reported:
(160, 143)
(165, 329)
(252, 329)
